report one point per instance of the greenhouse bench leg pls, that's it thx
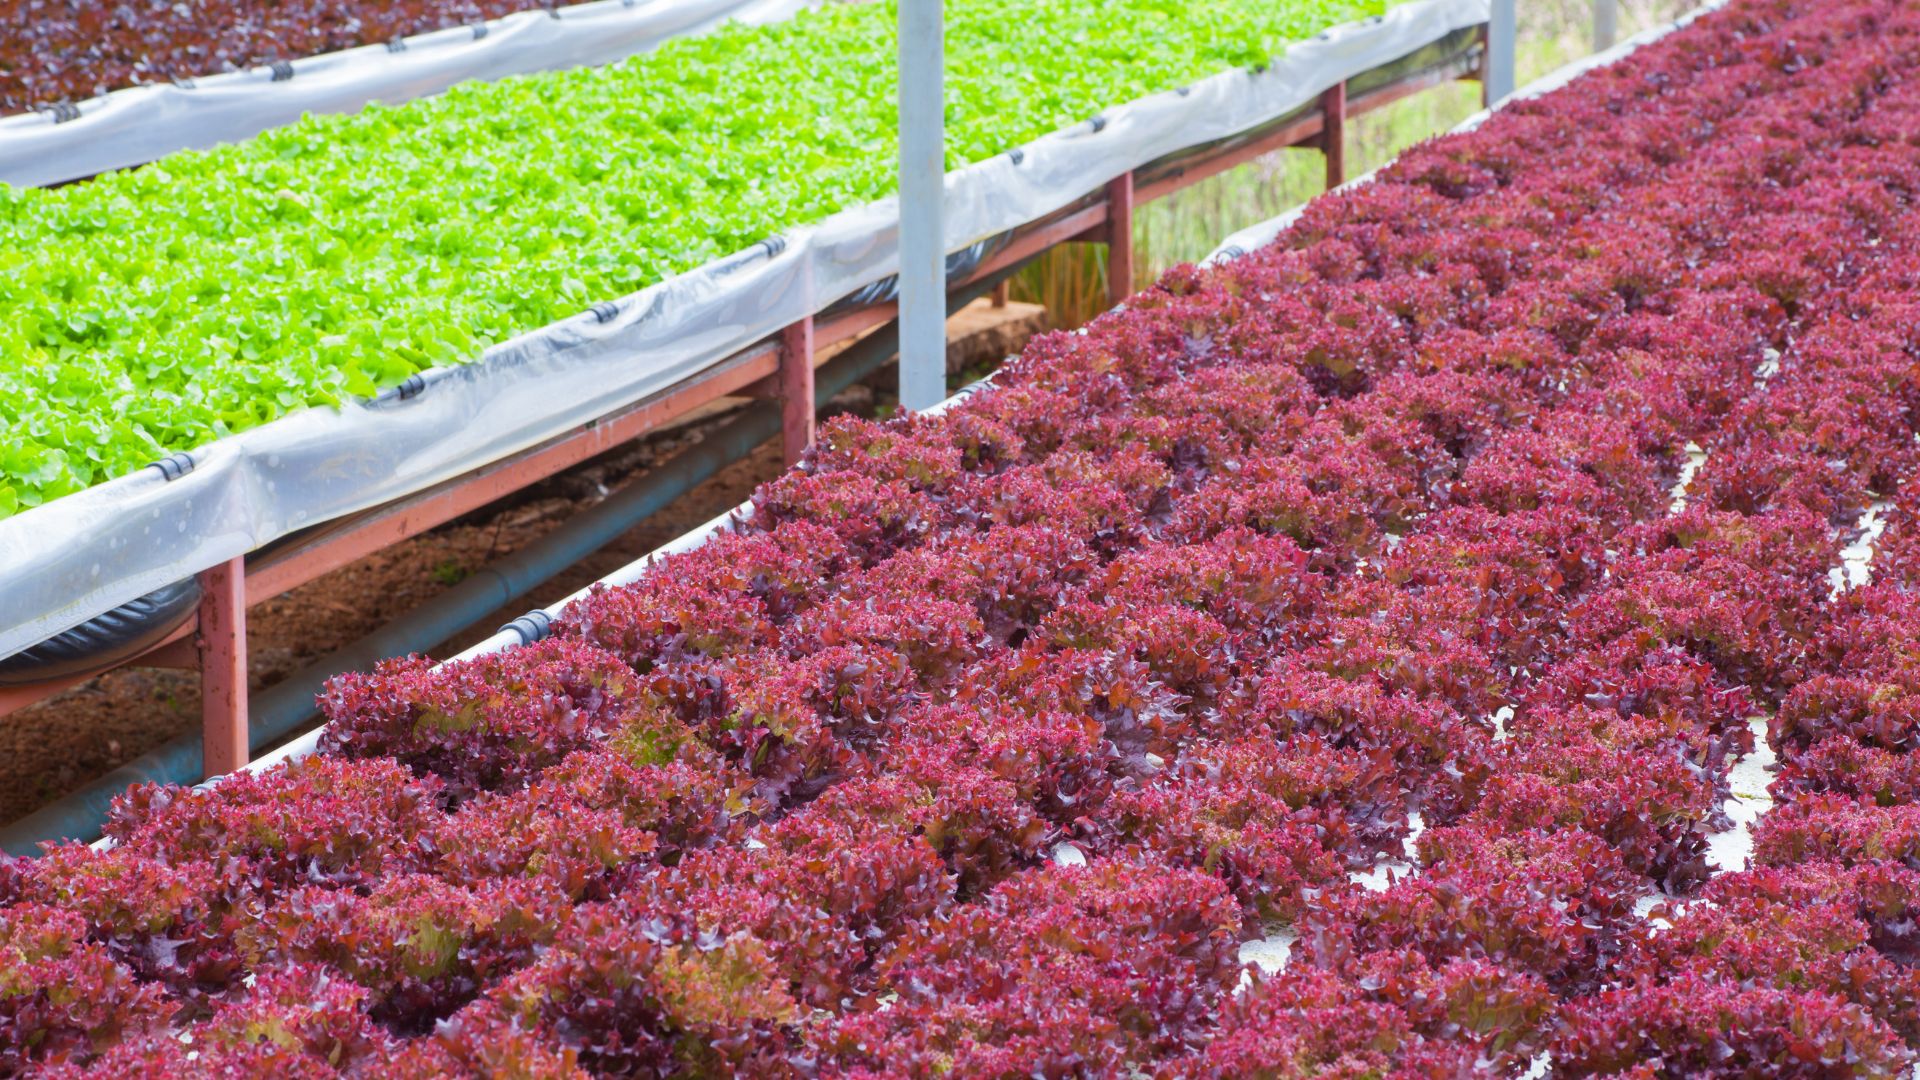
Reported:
(1482, 73)
(1120, 238)
(222, 641)
(796, 389)
(1333, 133)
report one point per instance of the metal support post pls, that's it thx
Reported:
(796, 389)
(1501, 30)
(923, 257)
(1120, 238)
(222, 641)
(1333, 133)
(1606, 24)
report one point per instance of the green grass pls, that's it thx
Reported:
(157, 309)
(1188, 224)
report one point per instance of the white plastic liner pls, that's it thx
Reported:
(142, 123)
(88, 552)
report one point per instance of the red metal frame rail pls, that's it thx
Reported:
(214, 639)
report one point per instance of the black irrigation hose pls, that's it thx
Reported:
(105, 641)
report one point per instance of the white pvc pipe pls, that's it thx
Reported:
(923, 257)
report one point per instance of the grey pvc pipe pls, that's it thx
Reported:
(285, 707)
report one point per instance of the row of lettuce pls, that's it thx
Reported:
(999, 733)
(54, 53)
(155, 310)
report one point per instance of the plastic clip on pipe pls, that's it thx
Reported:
(534, 626)
(174, 465)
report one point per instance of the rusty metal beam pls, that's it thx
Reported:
(833, 331)
(796, 390)
(1301, 131)
(222, 641)
(1119, 239)
(388, 525)
(1333, 133)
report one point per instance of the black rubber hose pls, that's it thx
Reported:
(106, 640)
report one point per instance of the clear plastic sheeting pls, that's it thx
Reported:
(142, 123)
(91, 551)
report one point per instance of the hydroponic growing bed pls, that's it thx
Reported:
(192, 76)
(456, 232)
(50, 56)
(338, 256)
(1420, 591)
